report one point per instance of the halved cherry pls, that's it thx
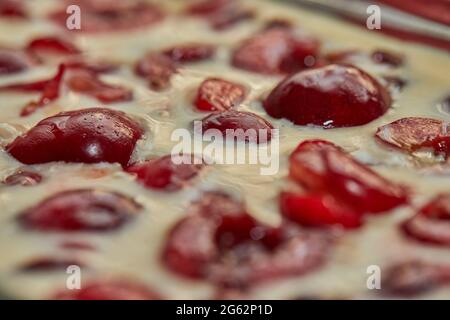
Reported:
(333, 96)
(432, 223)
(276, 50)
(87, 135)
(386, 57)
(220, 14)
(14, 61)
(320, 166)
(414, 133)
(89, 83)
(111, 16)
(12, 9)
(414, 277)
(169, 173)
(190, 52)
(157, 68)
(80, 210)
(216, 94)
(239, 125)
(318, 210)
(218, 241)
(109, 290)
(45, 264)
(52, 45)
(23, 178)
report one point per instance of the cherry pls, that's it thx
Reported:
(331, 96)
(14, 61)
(52, 45)
(243, 126)
(414, 277)
(80, 210)
(275, 51)
(12, 9)
(206, 7)
(320, 166)
(164, 174)
(414, 133)
(219, 14)
(216, 94)
(109, 290)
(24, 178)
(157, 69)
(432, 223)
(218, 241)
(112, 16)
(386, 57)
(190, 52)
(318, 210)
(88, 135)
(48, 264)
(88, 83)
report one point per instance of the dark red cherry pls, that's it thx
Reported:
(190, 52)
(109, 290)
(12, 9)
(414, 277)
(111, 16)
(87, 82)
(80, 210)
(386, 57)
(157, 68)
(168, 173)
(87, 135)
(218, 241)
(206, 7)
(414, 133)
(52, 45)
(242, 126)
(14, 61)
(216, 94)
(318, 210)
(276, 50)
(432, 223)
(333, 96)
(320, 166)
(23, 178)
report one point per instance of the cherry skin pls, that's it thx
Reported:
(163, 174)
(157, 68)
(88, 135)
(190, 52)
(218, 95)
(432, 223)
(414, 133)
(322, 167)
(80, 210)
(52, 45)
(24, 178)
(87, 82)
(14, 61)
(109, 290)
(318, 210)
(411, 278)
(333, 96)
(258, 129)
